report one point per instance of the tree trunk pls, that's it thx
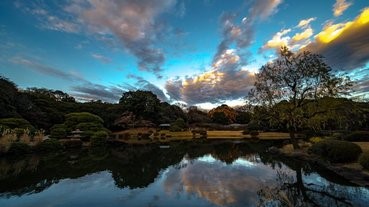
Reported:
(294, 140)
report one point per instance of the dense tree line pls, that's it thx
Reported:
(44, 109)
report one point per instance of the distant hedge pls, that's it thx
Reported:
(358, 136)
(336, 151)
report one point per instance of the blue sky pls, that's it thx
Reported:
(201, 52)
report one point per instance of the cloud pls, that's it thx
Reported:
(143, 84)
(101, 58)
(306, 34)
(40, 10)
(340, 6)
(133, 22)
(44, 69)
(226, 80)
(91, 91)
(306, 22)
(278, 40)
(222, 186)
(264, 8)
(345, 45)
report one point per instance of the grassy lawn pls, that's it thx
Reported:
(187, 135)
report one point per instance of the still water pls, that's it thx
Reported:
(185, 174)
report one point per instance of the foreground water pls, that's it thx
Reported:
(185, 174)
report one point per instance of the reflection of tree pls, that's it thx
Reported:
(292, 191)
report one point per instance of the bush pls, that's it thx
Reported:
(336, 151)
(72, 143)
(19, 148)
(246, 132)
(364, 160)
(98, 139)
(358, 136)
(58, 131)
(16, 123)
(254, 134)
(315, 139)
(175, 128)
(73, 119)
(49, 145)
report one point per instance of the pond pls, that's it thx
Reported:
(183, 174)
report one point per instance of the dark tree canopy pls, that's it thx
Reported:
(223, 114)
(299, 79)
(143, 104)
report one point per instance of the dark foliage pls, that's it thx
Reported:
(19, 148)
(336, 151)
(364, 160)
(358, 136)
(49, 146)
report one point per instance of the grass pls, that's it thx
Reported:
(187, 135)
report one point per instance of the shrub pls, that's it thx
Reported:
(254, 134)
(364, 160)
(358, 136)
(178, 125)
(49, 145)
(98, 139)
(73, 119)
(175, 128)
(58, 131)
(19, 148)
(72, 143)
(246, 132)
(253, 125)
(89, 126)
(315, 139)
(336, 151)
(16, 123)
(86, 135)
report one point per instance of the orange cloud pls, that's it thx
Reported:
(278, 40)
(332, 31)
(340, 6)
(345, 45)
(303, 35)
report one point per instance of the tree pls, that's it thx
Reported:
(144, 104)
(197, 116)
(299, 79)
(8, 94)
(223, 114)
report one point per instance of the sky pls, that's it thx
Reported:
(196, 52)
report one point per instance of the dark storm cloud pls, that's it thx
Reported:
(350, 49)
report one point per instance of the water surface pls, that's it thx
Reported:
(186, 174)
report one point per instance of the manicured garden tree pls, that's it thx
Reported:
(84, 121)
(58, 131)
(178, 125)
(13, 123)
(223, 114)
(298, 79)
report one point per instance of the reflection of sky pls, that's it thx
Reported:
(218, 183)
(201, 182)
